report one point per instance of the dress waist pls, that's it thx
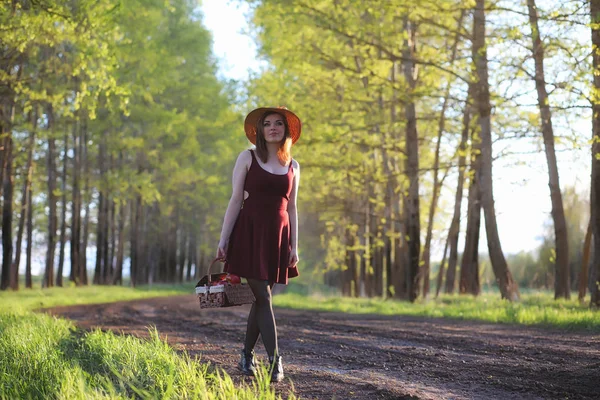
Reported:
(267, 203)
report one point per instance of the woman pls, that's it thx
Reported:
(259, 238)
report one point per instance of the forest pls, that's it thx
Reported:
(118, 138)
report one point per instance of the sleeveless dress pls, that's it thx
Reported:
(260, 244)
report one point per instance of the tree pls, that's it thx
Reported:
(412, 210)
(595, 183)
(507, 285)
(437, 182)
(469, 268)
(454, 231)
(142, 85)
(48, 280)
(26, 195)
(562, 286)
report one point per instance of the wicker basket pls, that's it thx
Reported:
(223, 295)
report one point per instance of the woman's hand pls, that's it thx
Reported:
(222, 251)
(293, 258)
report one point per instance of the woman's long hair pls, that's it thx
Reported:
(284, 153)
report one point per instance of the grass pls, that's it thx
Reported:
(534, 308)
(31, 299)
(43, 357)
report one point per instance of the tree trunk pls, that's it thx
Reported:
(118, 274)
(562, 281)
(354, 268)
(508, 287)
(183, 243)
(154, 247)
(442, 264)
(346, 281)
(454, 232)
(400, 264)
(63, 217)
(28, 280)
(469, 266)
(48, 280)
(365, 259)
(99, 273)
(144, 245)
(76, 207)
(26, 191)
(190, 254)
(595, 184)
(412, 210)
(425, 270)
(111, 237)
(106, 262)
(113, 240)
(436, 165)
(396, 262)
(7, 278)
(585, 262)
(87, 198)
(134, 239)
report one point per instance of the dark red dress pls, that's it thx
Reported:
(260, 243)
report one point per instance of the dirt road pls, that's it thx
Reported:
(341, 356)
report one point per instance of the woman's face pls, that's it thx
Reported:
(273, 128)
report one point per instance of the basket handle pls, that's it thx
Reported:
(210, 267)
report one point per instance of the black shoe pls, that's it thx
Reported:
(276, 368)
(247, 363)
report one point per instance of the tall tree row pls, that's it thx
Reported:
(402, 97)
(116, 136)
(117, 139)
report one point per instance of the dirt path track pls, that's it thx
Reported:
(342, 356)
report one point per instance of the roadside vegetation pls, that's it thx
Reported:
(47, 357)
(44, 357)
(536, 307)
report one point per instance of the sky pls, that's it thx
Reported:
(521, 192)
(234, 48)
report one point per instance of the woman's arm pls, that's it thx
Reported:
(293, 213)
(235, 202)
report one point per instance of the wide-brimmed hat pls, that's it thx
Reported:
(294, 123)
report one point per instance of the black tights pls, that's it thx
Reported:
(261, 319)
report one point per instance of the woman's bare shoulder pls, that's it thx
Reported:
(245, 157)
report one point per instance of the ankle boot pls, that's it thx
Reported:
(276, 368)
(247, 363)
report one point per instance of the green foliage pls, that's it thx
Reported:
(338, 65)
(576, 208)
(138, 79)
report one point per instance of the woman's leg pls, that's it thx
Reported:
(263, 318)
(247, 362)
(252, 331)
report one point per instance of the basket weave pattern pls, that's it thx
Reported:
(227, 295)
(233, 295)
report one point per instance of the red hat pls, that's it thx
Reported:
(293, 122)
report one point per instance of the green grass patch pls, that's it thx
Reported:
(44, 357)
(534, 308)
(31, 299)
